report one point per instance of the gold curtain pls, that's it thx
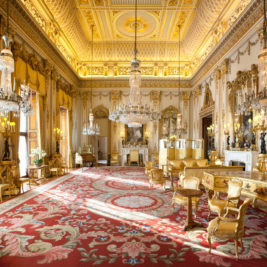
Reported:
(64, 100)
(40, 120)
(70, 137)
(25, 74)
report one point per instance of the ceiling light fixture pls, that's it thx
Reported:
(134, 114)
(9, 100)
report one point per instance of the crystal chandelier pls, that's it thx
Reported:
(262, 60)
(134, 114)
(9, 100)
(179, 128)
(91, 128)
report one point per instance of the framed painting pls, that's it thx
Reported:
(134, 134)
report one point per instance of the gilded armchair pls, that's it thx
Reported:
(114, 159)
(233, 195)
(229, 228)
(4, 186)
(157, 177)
(134, 157)
(189, 182)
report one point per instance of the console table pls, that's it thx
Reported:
(37, 173)
(126, 150)
(247, 157)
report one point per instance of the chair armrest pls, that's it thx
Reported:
(229, 200)
(232, 198)
(232, 209)
(226, 219)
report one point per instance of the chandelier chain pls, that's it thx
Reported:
(135, 31)
(7, 17)
(264, 25)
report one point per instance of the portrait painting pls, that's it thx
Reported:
(134, 134)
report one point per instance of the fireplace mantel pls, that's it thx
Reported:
(247, 157)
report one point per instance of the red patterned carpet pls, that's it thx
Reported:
(108, 216)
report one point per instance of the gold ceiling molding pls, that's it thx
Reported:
(124, 83)
(67, 23)
(159, 69)
(219, 31)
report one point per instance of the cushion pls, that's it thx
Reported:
(176, 164)
(190, 163)
(202, 163)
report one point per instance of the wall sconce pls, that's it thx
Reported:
(7, 128)
(226, 133)
(147, 134)
(122, 136)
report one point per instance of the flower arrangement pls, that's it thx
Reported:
(38, 154)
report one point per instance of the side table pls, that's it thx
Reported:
(189, 193)
(37, 173)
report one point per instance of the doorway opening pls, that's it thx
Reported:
(206, 122)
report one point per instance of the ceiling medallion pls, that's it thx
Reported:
(138, 24)
(134, 114)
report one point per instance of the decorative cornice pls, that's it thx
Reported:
(26, 26)
(242, 26)
(124, 83)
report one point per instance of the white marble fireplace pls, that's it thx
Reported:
(247, 157)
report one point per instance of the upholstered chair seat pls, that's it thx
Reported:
(202, 163)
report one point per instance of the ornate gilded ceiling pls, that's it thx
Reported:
(203, 24)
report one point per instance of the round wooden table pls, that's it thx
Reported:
(189, 193)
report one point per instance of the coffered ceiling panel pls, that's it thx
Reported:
(68, 24)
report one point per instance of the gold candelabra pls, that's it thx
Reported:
(237, 131)
(211, 130)
(7, 128)
(227, 134)
(259, 122)
(58, 133)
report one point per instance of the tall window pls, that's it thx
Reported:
(64, 143)
(28, 137)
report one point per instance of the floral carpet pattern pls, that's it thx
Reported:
(108, 216)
